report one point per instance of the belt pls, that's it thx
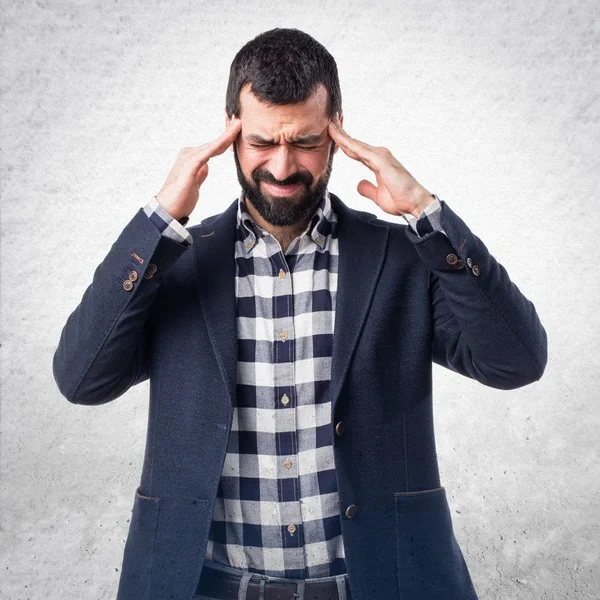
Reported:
(219, 584)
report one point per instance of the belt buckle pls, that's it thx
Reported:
(263, 583)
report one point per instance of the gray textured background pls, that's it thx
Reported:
(492, 105)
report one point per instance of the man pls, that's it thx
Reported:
(289, 344)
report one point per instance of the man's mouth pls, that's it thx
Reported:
(285, 190)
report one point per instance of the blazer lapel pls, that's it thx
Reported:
(362, 248)
(214, 247)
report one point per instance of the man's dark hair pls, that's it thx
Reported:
(284, 66)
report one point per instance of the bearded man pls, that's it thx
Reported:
(289, 343)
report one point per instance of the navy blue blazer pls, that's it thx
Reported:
(402, 302)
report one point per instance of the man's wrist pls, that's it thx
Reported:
(424, 199)
(177, 216)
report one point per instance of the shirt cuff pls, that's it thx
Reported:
(166, 223)
(429, 220)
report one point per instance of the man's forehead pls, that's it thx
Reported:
(319, 96)
(302, 123)
(308, 115)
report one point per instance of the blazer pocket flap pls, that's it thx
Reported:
(422, 516)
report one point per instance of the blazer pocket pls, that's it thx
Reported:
(139, 547)
(141, 496)
(429, 561)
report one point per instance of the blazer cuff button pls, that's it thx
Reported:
(152, 268)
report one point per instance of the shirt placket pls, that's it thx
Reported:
(285, 408)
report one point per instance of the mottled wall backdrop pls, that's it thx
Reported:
(493, 105)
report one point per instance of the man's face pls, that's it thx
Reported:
(284, 156)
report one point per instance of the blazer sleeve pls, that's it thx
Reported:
(483, 326)
(103, 347)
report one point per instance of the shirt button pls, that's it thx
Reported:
(451, 259)
(291, 528)
(281, 273)
(283, 335)
(128, 285)
(351, 511)
(285, 399)
(319, 240)
(287, 464)
(339, 428)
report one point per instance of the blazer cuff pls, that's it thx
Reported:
(166, 223)
(429, 220)
(447, 248)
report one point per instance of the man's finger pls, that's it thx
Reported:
(349, 153)
(362, 151)
(368, 162)
(367, 189)
(223, 142)
(200, 155)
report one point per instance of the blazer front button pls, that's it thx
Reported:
(351, 511)
(469, 262)
(339, 428)
(451, 259)
(475, 270)
(133, 275)
(128, 285)
(459, 264)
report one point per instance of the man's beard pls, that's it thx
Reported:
(284, 210)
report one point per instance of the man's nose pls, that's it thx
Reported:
(282, 162)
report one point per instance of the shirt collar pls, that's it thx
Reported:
(319, 223)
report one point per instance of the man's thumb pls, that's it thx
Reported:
(202, 175)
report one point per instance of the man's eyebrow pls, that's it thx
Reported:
(303, 139)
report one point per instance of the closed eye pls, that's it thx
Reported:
(270, 145)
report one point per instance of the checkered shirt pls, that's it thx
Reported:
(277, 509)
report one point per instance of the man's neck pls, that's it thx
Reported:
(284, 234)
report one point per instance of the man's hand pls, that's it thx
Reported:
(397, 192)
(179, 194)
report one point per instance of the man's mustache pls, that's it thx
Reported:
(292, 180)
